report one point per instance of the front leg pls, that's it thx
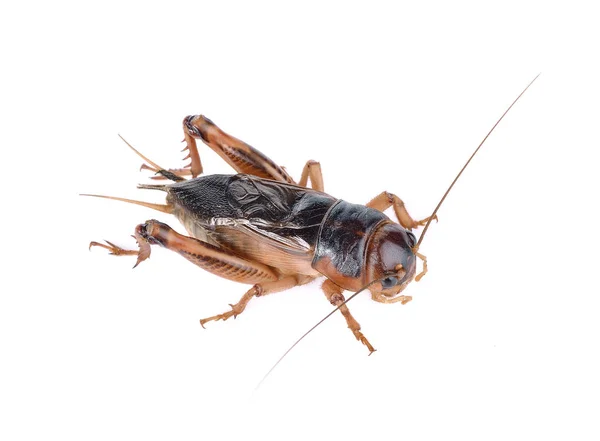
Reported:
(336, 298)
(385, 200)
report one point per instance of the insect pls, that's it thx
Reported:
(260, 227)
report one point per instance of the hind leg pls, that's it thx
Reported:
(266, 280)
(208, 257)
(239, 155)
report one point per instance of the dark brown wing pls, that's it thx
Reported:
(272, 222)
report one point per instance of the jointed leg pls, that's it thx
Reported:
(312, 170)
(259, 290)
(385, 200)
(379, 297)
(422, 273)
(209, 257)
(241, 156)
(213, 259)
(114, 249)
(336, 298)
(142, 254)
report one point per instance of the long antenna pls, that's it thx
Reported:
(414, 249)
(467, 163)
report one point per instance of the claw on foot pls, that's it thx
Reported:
(218, 317)
(142, 254)
(360, 337)
(235, 311)
(143, 244)
(113, 249)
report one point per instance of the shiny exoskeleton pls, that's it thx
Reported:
(261, 227)
(303, 231)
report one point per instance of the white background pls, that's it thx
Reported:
(501, 339)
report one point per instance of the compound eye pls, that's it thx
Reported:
(389, 282)
(411, 238)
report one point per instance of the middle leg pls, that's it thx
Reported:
(312, 170)
(259, 290)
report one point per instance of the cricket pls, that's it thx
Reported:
(262, 228)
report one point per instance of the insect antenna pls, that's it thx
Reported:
(433, 215)
(312, 329)
(415, 248)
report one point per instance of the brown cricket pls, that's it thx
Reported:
(261, 227)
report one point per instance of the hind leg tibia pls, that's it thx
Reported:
(208, 257)
(239, 155)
